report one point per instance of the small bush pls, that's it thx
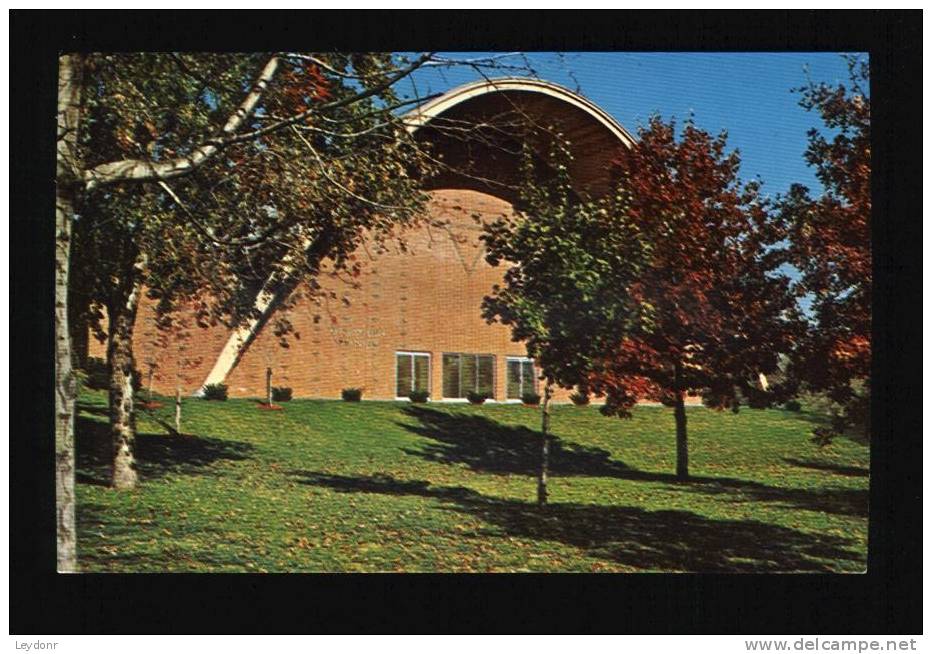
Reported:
(476, 398)
(351, 394)
(281, 394)
(418, 396)
(215, 392)
(580, 399)
(531, 398)
(793, 405)
(823, 436)
(757, 399)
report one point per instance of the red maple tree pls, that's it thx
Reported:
(830, 244)
(714, 312)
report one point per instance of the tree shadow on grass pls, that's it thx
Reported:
(646, 540)
(487, 446)
(846, 471)
(156, 454)
(816, 418)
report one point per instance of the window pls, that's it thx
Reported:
(463, 373)
(519, 377)
(412, 372)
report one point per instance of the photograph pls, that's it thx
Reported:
(463, 312)
(416, 321)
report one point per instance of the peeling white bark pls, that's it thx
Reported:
(140, 170)
(122, 393)
(69, 116)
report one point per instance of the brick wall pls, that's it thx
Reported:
(425, 298)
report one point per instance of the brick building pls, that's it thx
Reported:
(415, 321)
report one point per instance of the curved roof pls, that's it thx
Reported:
(460, 94)
(593, 134)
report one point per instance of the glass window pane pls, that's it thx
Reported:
(421, 372)
(403, 374)
(468, 375)
(513, 379)
(486, 374)
(530, 383)
(451, 375)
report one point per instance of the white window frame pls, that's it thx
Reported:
(430, 372)
(516, 400)
(468, 354)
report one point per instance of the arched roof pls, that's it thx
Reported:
(594, 135)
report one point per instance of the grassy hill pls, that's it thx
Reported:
(324, 486)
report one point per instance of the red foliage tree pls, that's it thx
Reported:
(668, 286)
(713, 311)
(830, 244)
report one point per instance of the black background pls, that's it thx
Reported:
(887, 599)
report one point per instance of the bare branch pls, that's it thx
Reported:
(318, 62)
(246, 243)
(336, 104)
(326, 175)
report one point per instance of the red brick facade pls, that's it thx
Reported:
(424, 299)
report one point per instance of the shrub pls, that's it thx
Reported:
(476, 398)
(531, 398)
(756, 398)
(758, 402)
(580, 399)
(793, 405)
(351, 394)
(418, 396)
(281, 394)
(215, 392)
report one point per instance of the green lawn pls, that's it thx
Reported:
(380, 486)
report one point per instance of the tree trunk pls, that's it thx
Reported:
(544, 447)
(67, 173)
(122, 314)
(268, 386)
(679, 412)
(178, 409)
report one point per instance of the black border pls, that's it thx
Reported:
(885, 600)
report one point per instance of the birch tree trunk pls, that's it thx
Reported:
(67, 173)
(544, 447)
(178, 409)
(122, 316)
(268, 386)
(679, 414)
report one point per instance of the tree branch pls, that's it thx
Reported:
(336, 104)
(146, 170)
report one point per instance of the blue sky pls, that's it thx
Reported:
(747, 94)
